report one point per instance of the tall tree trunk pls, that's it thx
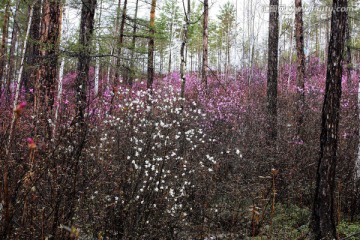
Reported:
(120, 42)
(151, 46)
(272, 70)
(205, 43)
(357, 161)
(182, 49)
(322, 223)
(3, 47)
(85, 39)
(47, 71)
(81, 83)
(300, 73)
(50, 41)
(290, 54)
(113, 60)
(97, 61)
(133, 46)
(10, 74)
(32, 54)
(348, 53)
(171, 40)
(61, 71)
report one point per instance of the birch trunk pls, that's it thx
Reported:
(3, 48)
(97, 61)
(61, 70)
(17, 91)
(7, 203)
(11, 62)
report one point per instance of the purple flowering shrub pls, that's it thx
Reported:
(159, 166)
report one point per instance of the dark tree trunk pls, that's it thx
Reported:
(272, 70)
(151, 46)
(32, 53)
(205, 43)
(348, 53)
(133, 46)
(322, 223)
(114, 49)
(50, 42)
(85, 38)
(3, 47)
(300, 73)
(170, 46)
(120, 42)
(182, 49)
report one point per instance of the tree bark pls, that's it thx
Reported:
(120, 42)
(61, 70)
(133, 46)
(97, 61)
(348, 53)
(357, 160)
(272, 70)
(171, 39)
(50, 43)
(85, 38)
(10, 74)
(322, 223)
(113, 60)
(151, 46)
(32, 54)
(182, 49)
(205, 43)
(3, 47)
(300, 73)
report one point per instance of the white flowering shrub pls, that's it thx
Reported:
(152, 151)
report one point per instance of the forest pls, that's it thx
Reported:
(180, 119)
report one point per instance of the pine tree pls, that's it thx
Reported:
(322, 223)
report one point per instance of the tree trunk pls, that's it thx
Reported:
(133, 46)
(290, 54)
(348, 53)
(322, 223)
(151, 46)
(272, 70)
(97, 61)
(120, 42)
(10, 74)
(3, 47)
(357, 161)
(61, 72)
(300, 73)
(205, 43)
(182, 50)
(32, 54)
(85, 38)
(46, 76)
(113, 60)
(171, 40)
